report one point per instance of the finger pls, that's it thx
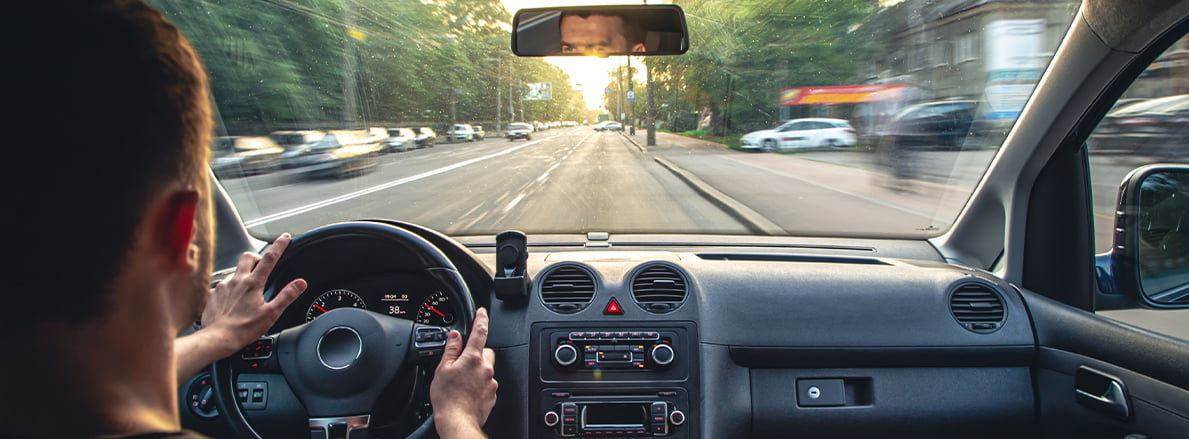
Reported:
(288, 294)
(488, 356)
(246, 261)
(270, 257)
(478, 339)
(453, 348)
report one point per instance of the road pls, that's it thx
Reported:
(563, 181)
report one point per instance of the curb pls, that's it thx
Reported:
(750, 218)
(630, 139)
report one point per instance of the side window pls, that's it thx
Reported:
(1148, 124)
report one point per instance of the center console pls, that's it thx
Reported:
(614, 380)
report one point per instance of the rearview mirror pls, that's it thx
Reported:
(637, 30)
(1151, 245)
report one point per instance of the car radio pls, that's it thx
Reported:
(634, 350)
(577, 414)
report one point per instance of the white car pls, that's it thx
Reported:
(462, 133)
(802, 133)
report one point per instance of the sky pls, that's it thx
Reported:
(590, 75)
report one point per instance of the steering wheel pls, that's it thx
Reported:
(347, 363)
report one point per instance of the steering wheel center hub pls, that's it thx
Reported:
(339, 347)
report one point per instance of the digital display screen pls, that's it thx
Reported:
(599, 415)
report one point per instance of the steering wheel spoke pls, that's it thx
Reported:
(341, 427)
(257, 357)
(429, 341)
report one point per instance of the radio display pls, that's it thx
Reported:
(614, 415)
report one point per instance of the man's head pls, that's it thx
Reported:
(107, 160)
(597, 34)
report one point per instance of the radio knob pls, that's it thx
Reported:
(662, 354)
(677, 417)
(551, 418)
(565, 354)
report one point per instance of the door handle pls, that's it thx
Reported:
(1101, 391)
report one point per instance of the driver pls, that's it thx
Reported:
(119, 256)
(593, 33)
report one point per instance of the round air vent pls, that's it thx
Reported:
(567, 289)
(977, 307)
(659, 288)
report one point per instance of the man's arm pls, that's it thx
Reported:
(463, 387)
(236, 313)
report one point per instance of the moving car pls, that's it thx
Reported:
(693, 291)
(519, 130)
(340, 153)
(400, 140)
(479, 134)
(426, 137)
(1154, 127)
(296, 143)
(240, 156)
(802, 133)
(462, 133)
(942, 123)
(608, 125)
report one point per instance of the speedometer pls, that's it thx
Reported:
(436, 310)
(338, 298)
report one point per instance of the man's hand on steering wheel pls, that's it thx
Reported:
(463, 388)
(236, 313)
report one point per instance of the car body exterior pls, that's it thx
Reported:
(295, 144)
(340, 153)
(608, 125)
(241, 156)
(426, 137)
(400, 140)
(941, 123)
(478, 131)
(802, 133)
(1152, 127)
(462, 133)
(519, 130)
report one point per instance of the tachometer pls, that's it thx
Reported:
(338, 298)
(436, 310)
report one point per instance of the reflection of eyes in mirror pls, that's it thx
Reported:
(1164, 232)
(592, 33)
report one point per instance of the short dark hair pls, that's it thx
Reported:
(111, 106)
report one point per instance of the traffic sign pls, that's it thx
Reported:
(631, 96)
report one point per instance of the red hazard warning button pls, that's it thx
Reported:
(613, 308)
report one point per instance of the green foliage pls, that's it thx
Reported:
(352, 63)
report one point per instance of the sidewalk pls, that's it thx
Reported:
(815, 192)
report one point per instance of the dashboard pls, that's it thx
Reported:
(410, 296)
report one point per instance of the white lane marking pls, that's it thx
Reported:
(339, 199)
(513, 203)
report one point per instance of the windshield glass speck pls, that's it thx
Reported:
(848, 117)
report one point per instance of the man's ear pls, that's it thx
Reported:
(173, 226)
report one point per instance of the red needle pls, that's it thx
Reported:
(321, 308)
(434, 310)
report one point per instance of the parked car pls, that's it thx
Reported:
(400, 140)
(340, 153)
(519, 130)
(608, 125)
(478, 132)
(243, 156)
(1153, 127)
(941, 123)
(426, 137)
(295, 143)
(802, 133)
(462, 133)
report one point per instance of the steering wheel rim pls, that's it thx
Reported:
(432, 261)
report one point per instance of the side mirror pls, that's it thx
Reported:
(637, 30)
(1150, 256)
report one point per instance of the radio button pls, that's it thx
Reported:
(577, 336)
(551, 419)
(565, 354)
(677, 417)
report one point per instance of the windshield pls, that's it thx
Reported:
(898, 108)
